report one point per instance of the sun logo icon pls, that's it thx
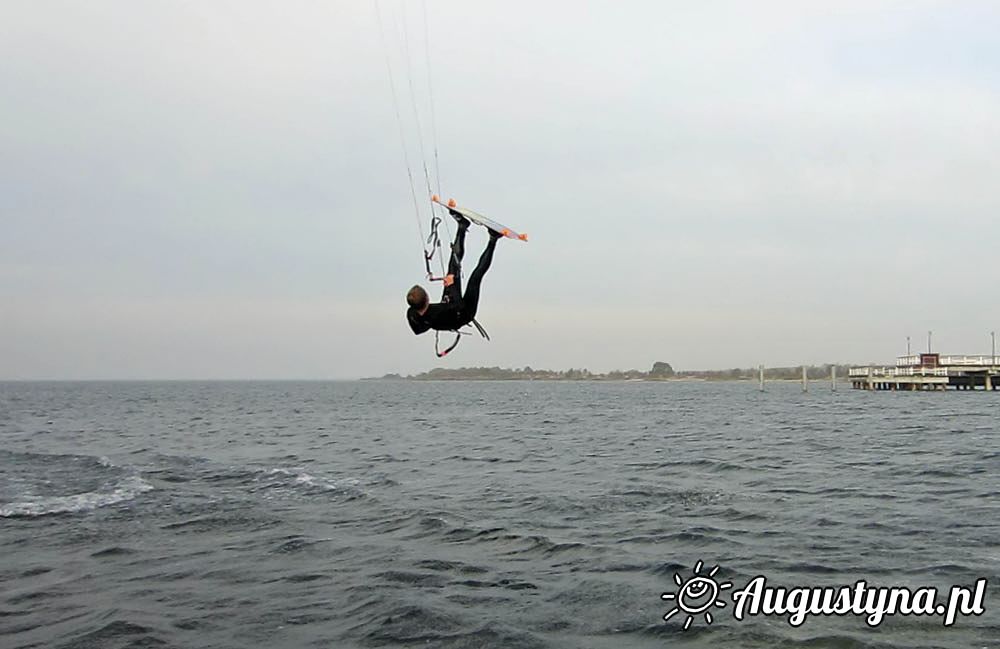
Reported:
(696, 595)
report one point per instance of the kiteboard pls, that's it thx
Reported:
(479, 219)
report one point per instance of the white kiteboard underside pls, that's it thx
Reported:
(479, 219)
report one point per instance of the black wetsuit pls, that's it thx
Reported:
(455, 310)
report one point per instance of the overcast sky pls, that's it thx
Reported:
(198, 189)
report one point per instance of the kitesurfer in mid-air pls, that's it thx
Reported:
(455, 309)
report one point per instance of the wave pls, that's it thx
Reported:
(124, 490)
(298, 478)
(267, 481)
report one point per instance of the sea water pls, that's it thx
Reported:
(488, 514)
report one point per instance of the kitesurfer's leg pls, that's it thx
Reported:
(458, 248)
(453, 292)
(470, 301)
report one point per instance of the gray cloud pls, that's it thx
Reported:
(218, 190)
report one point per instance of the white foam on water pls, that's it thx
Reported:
(302, 478)
(124, 490)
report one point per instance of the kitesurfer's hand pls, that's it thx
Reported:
(448, 280)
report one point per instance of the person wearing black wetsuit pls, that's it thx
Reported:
(455, 309)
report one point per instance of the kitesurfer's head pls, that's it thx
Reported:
(417, 298)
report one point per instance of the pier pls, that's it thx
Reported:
(930, 372)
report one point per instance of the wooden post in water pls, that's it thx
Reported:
(761, 378)
(833, 377)
(805, 380)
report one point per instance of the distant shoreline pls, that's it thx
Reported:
(590, 380)
(660, 372)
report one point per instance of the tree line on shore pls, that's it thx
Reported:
(660, 371)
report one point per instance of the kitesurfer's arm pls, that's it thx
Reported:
(417, 324)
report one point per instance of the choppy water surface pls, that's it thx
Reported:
(353, 514)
